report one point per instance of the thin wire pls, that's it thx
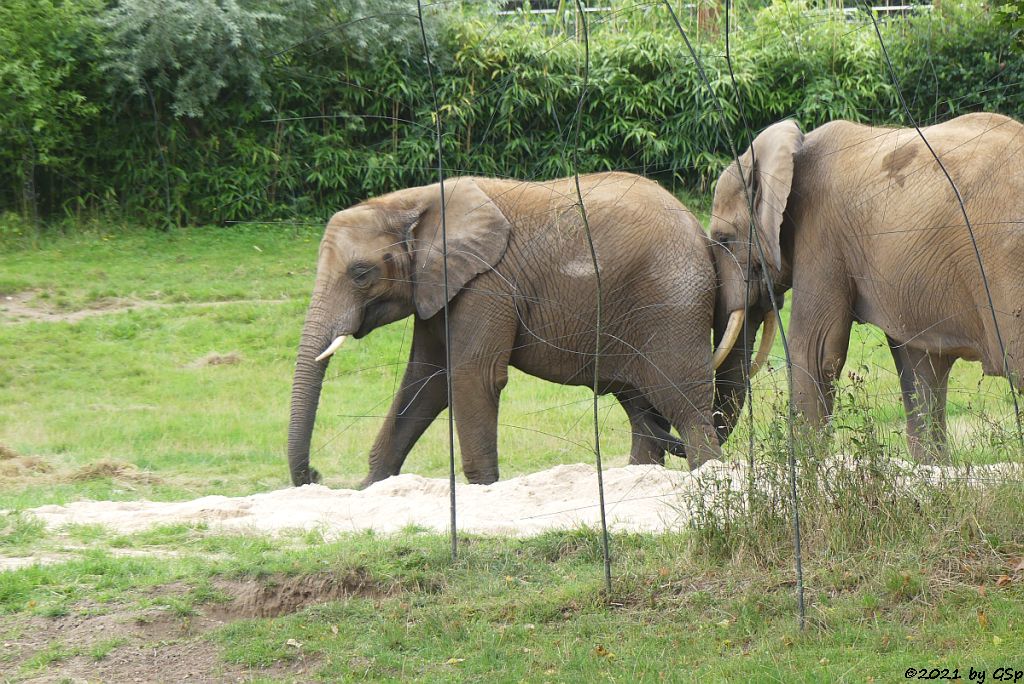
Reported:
(606, 552)
(444, 256)
(794, 499)
(967, 222)
(745, 365)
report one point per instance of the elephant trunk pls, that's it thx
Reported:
(321, 327)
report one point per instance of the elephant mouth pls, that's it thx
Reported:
(363, 330)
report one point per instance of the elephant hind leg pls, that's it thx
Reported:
(651, 436)
(924, 379)
(686, 405)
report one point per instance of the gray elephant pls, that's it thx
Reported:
(863, 225)
(521, 292)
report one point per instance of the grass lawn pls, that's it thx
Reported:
(147, 365)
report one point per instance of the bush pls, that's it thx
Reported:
(962, 60)
(47, 104)
(276, 109)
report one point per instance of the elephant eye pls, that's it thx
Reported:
(362, 273)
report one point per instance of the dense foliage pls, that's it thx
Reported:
(225, 110)
(1012, 15)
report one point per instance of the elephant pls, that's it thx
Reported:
(521, 290)
(862, 224)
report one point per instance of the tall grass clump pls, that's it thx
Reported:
(857, 497)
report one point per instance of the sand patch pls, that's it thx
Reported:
(639, 498)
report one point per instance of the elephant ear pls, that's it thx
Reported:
(773, 152)
(477, 233)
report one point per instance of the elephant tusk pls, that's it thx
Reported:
(732, 331)
(332, 348)
(767, 339)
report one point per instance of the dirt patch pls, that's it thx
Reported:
(14, 465)
(281, 595)
(7, 453)
(27, 306)
(216, 359)
(24, 307)
(123, 643)
(112, 469)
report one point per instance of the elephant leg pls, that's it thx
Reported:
(684, 399)
(482, 339)
(648, 430)
(924, 379)
(819, 340)
(475, 396)
(422, 395)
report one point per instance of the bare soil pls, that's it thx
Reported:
(125, 643)
(27, 306)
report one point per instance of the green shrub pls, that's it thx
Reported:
(277, 109)
(48, 83)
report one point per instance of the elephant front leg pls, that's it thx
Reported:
(684, 397)
(924, 379)
(819, 339)
(476, 390)
(422, 395)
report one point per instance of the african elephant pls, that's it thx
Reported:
(521, 290)
(863, 225)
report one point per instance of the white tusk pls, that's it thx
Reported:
(732, 331)
(332, 348)
(767, 339)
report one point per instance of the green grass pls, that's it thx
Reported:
(125, 386)
(114, 406)
(534, 610)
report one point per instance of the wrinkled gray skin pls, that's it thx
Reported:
(522, 293)
(863, 226)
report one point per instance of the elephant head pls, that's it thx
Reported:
(748, 243)
(379, 262)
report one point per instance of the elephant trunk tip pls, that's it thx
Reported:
(305, 476)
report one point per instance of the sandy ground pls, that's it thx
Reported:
(638, 498)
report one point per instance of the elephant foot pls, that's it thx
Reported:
(482, 478)
(927, 452)
(647, 458)
(373, 478)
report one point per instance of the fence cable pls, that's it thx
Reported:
(747, 187)
(444, 256)
(605, 550)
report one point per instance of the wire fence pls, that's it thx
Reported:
(882, 256)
